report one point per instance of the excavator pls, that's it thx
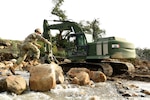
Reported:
(102, 54)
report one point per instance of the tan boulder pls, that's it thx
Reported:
(44, 77)
(97, 76)
(82, 78)
(74, 71)
(16, 84)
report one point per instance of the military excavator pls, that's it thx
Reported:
(102, 54)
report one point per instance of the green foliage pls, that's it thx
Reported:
(92, 28)
(143, 54)
(60, 43)
(54, 49)
(59, 46)
(58, 51)
(15, 49)
(57, 11)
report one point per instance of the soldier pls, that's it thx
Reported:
(30, 44)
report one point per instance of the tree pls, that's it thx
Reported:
(143, 54)
(92, 28)
(57, 11)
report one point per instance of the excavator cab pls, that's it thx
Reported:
(77, 48)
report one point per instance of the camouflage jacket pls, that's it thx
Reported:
(32, 38)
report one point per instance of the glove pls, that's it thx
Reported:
(49, 43)
(39, 46)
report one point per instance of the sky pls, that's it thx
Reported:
(129, 19)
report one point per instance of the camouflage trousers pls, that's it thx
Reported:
(25, 48)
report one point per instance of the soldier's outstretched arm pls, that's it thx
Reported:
(39, 37)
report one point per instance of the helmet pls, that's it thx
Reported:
(38, 30)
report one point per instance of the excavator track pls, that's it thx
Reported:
(106, 69)
(109, 68)
(121, 67)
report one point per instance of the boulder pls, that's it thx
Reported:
(82, 78)
(97, 76)
(74, 71)
(16, 84)
(43, 77)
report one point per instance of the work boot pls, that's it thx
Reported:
(35, 62)
(12, 70)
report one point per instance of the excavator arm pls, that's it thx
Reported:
(76, 32)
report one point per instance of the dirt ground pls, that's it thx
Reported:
(142, 71)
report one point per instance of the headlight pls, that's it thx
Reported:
(115, 46)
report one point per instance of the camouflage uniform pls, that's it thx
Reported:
(30, 43)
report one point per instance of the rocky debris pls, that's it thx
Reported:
(13, 84)
(6, 65)
(130, 90)
(4, 68)
(83, 76)
(44, 77)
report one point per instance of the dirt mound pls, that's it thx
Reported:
(9, 49)
(142, 71)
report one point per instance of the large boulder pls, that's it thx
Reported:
(44, 77)
(97, 76)
(16, 84)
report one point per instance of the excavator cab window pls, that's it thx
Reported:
(77, 44)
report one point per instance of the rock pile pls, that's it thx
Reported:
(44, 77)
